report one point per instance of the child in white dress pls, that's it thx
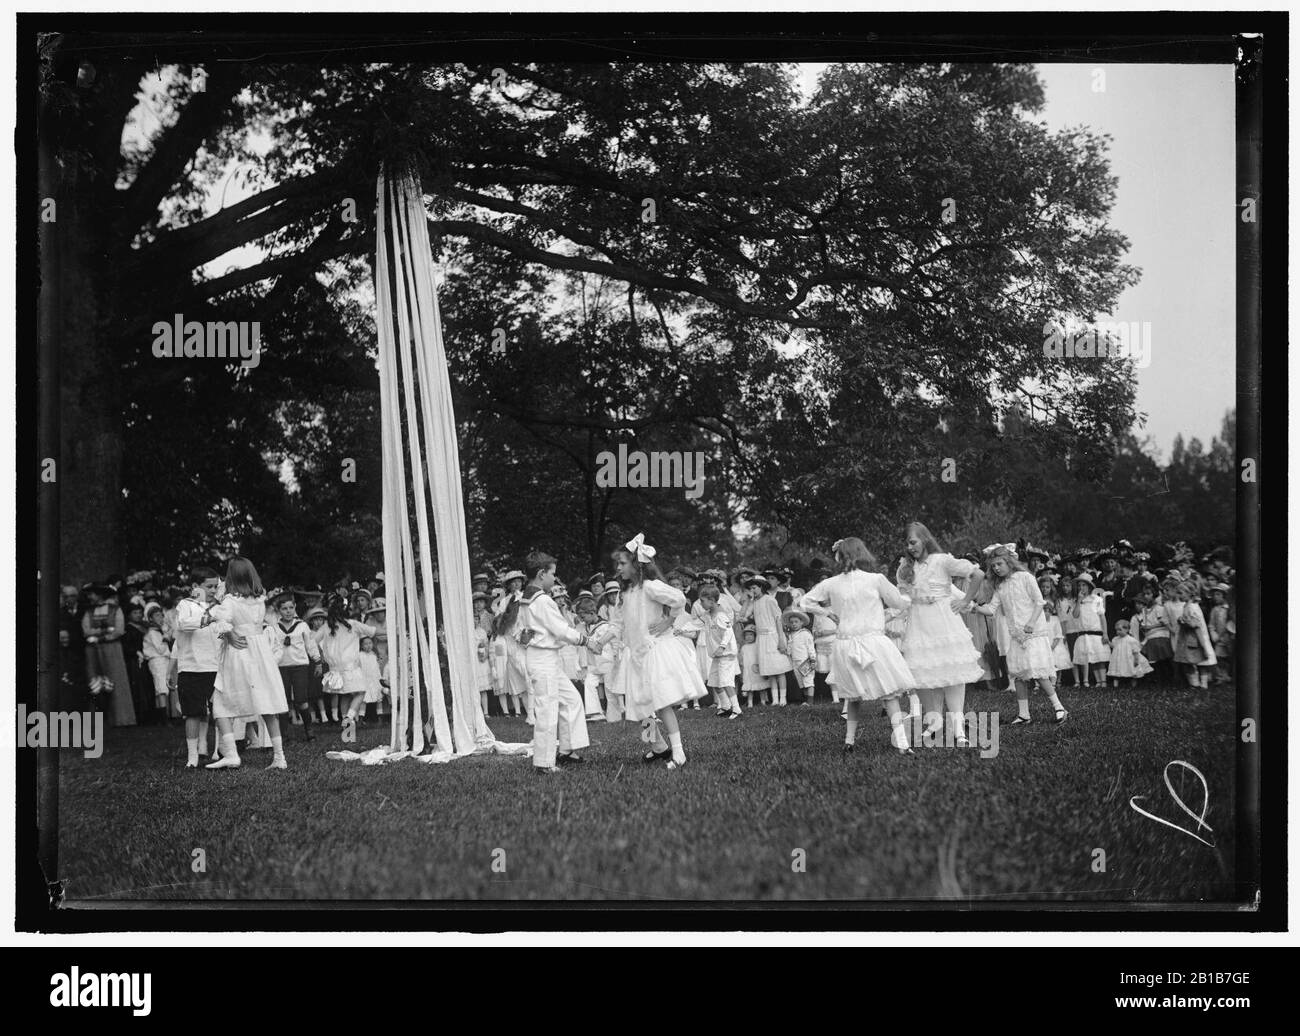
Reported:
(1029, 655)
(370, 675)
(719, 644)
(1060, 653)
(751, 680)
(248, 680)
(157, 655)
(482, 657)
(656, 670)
(1091, 650)
(773, 651)
(339, 640)
(1127, 663)
(865, 664)
(937, 644)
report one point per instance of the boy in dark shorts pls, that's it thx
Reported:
(300, 654)
(196, 652)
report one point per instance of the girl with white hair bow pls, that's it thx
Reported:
(656, 670)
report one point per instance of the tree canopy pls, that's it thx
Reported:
(830, 297)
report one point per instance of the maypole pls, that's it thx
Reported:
(423, 507)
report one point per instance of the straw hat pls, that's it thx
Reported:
(796, 613)
(315, 612)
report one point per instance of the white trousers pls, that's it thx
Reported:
(591, 695)
(558, 713)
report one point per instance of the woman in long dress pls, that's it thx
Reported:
(938, 644)
(656, 670)
(102, 627)
(248, 680)
(864, 665)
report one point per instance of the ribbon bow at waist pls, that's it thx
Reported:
(858, 652)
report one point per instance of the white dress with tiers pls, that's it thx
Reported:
(937, 643)
(653, 672)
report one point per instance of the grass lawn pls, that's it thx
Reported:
(945, 824)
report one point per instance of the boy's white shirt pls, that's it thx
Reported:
(197, 648)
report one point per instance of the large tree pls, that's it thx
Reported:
(910, 230)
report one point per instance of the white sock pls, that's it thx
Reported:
(898, 733)
(203, 738)
(675, 742)
(192, 751)
(850, 731)
(1023, 703)
(914, 709)
(956, 719)
(1051, 696)
(277, 746)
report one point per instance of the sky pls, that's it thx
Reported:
(1174, 153)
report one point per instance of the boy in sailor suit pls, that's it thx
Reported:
(541, 630)
(298, 654)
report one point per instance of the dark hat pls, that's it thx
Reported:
(688, 574)
(313, 590)
(785, 573)
(1104, 555)
(102, 589)
(758, 581)
(1030, 551)
(480, 577)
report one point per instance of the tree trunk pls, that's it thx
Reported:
(85, 122)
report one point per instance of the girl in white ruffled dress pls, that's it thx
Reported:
(1029, 655)
(865, 664)
(937, 644)
(656, 670)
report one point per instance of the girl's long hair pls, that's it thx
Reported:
(852, 553)
(336, 613)
(928, 543)
(242, 579)
(644, 569)
(1014, 564)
